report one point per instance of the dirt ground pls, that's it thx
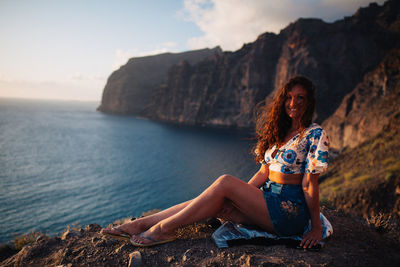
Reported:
(354, 243)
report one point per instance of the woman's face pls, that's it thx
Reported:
(296, 102)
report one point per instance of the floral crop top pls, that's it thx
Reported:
(306, 155)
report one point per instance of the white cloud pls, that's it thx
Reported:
(97, 77)
(77, 76)
(231, 23)
(121, 57)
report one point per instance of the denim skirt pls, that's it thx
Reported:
(287, 208)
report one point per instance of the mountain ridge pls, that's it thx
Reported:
(128, 90)
(223, 90)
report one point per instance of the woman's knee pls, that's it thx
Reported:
(224, 182)
(225, 179)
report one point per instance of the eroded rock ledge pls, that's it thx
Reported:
(353, 243)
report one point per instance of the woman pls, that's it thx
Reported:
(293, 152)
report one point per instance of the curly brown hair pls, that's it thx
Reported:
(272, 121)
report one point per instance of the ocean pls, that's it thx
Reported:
(63, 163)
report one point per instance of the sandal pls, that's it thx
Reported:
(153, 242)
(123, 235)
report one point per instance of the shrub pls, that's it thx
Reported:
(362, 178)
(20, 241)
(393, 168)
(150, 212)
(381, 222)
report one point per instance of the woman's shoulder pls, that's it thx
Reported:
(314, 130)
(313, 125)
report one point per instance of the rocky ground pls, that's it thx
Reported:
(354, 243)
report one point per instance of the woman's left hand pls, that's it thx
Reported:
(312, 238)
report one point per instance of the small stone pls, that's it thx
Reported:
(243, 257)
(122, 248)
(397, 191)
(135, 259)
(70, 233)
(273, 261)
(101, 243)
(186, 255)
(152, 252)
(249, 261)
(42, 238)
(93, 228)
(170, 259)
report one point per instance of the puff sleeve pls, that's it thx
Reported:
(317, 157)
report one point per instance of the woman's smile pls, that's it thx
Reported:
(295, 104)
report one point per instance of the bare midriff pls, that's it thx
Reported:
(284, 178)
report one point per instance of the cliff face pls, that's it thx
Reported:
(224, 89)
(365, 181)
(365, 110)
(129, 89)
(221, 90)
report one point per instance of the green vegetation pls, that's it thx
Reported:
(349, 175)
(20, 241)
(393, 168)
(381, 222)
(370, 168)
(75, 226)
(362, 178)
(389, 161)
(334, 181)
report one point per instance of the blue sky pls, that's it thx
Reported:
(58, 49)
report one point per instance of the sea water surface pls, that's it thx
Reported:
(63, 163)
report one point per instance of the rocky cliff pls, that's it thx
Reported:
(129, 89)
(366, 109)
(221, 90)
(365, 181)
(224, 89)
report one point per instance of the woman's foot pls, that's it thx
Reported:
(153, 236)
(125, 230)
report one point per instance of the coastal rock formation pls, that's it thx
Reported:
(221, 90)
(353, 242)
(129, 89)
(365, 110)
(365, 181)
(224, 89)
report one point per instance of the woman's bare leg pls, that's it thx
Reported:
(140, 225)
(248, 199)
(230, 213)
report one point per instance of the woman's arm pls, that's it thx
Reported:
(311, 194)
(260, 177)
